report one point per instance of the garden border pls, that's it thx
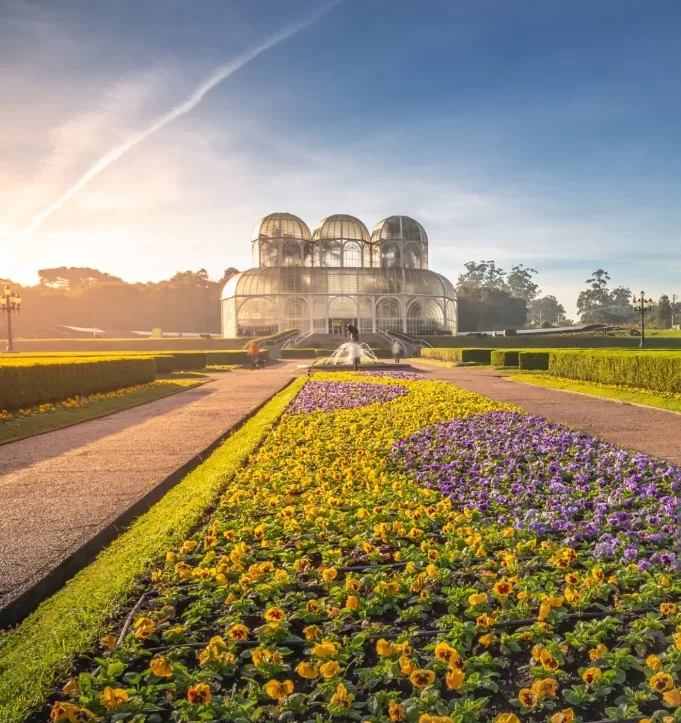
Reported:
(28, 677)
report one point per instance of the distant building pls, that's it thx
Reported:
(336, 275)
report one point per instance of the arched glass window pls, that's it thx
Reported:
(256, 316)
(414, 316)
(390, 255)
(291, 253)
(388, 315)
(412, 257)
(342, 307)
(296, 313)
(331, 253)
(269, 253)
(352, 254)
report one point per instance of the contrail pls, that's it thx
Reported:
(214, 79)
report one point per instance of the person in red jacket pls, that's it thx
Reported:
(254, 355)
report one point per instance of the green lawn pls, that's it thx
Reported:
(660, 400)
(49, 421)
(39, 653)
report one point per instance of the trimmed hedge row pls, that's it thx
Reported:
(462, 356)
(534, 360)
(659, 371)
(504, 358)
(232, 357)
(25, 383)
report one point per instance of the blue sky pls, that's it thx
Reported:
(539, 132)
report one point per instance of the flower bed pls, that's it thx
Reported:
(536, 475)
(330, 396)
(330, 584)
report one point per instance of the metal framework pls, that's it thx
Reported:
(339, 273)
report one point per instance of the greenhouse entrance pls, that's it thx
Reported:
(338, 326)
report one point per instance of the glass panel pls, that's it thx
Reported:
(352, 254)
(256, 317)
(269, 253)
(291, 253)
(390, 255)
(331, 253)
(388, 316)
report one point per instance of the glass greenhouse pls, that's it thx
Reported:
(338, 274)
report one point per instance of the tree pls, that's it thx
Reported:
(547, 309)
(485, 275)
(663, 313)
(521, 284)
(600, 305)
(73, 277)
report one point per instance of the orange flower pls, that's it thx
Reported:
(311, 632)
(342, 697)
(199, 694)
(396, 712)
(114, 697)
(547, 661)
(446, 654)
(160, 667)
(329, 669)
(545, 686)
(330, 573)
(507, 718)
(660, 682)
(325, 649)
(503, 588)
(352, 602)
(592, 675)
(277, 690)
(528, 698)
(108, 642)
(274, 615)
(422, 678)
(307, 670)
(238, 632)
(652, 661)
(672, 697)
(384, 648)
(454, 678)
(598, 652)
(667, 608)
(563, 716)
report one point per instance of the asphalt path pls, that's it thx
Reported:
(59, 489)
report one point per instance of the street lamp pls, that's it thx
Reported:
(10, 303)
(643, 306)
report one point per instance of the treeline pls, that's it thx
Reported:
(187, 302)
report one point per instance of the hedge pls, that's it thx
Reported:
(462, 356)
(272, 337)
(232, 357)
(189, 360)
(534, 360)
(504, 358)
(165, 363)
(25, 383)
(657, 371)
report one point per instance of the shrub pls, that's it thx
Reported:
(165, 363)
(504, 358)
(658, 371)
(533, 360)
(232, 357)
(188, 360)
(29, 382)
(463, 355)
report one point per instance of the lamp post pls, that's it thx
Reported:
(10, 303)
(643, 306)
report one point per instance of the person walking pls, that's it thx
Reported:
(397, 351)
(253, 351)
(355, 354)
(353, 331)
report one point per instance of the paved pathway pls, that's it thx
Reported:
(59, 489)
(648, 430)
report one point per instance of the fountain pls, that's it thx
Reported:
(342, 355)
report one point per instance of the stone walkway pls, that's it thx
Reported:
(58, 490)
(652, 431)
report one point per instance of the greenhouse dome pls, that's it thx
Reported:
(339, 274)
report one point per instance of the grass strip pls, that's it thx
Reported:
(21, 428)
(40, 651)
(659, 400)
